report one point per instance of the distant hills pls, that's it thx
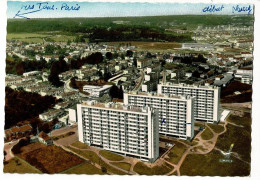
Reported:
(158, 23)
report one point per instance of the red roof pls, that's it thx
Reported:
(44, 136)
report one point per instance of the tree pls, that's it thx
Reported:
(120, 93)
(109, 55)
(135, 62)
(129, 53)
(55, 80)
(122, 56)
(113, 92)
(49, 49)
(20, 68)
(103, 169)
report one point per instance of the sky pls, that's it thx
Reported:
(116, 9)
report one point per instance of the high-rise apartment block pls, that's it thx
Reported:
(120, 128)
(206, 105)
(175, 112)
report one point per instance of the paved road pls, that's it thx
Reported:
(140, 81)
(7, 147)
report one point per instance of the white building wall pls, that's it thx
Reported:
(172, 121)
(206, 106)
(120, 130)
(80, 123)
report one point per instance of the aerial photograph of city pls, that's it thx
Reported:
(111, 88)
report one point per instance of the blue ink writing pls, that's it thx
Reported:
(213, 8)
(33, 8)
(239, 9)
(64, 6)
(164, 120)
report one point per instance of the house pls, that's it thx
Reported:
(50, 115)
(97, 91)
(44, 138)
(18, 132)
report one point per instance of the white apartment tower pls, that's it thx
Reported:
(123, 129)
(206, 105)
(175, 113)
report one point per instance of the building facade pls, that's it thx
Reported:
(96, 91)
(120, 128)
(206, 105)
(175, 113)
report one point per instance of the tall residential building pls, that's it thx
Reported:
(123, 129)
(175, 112)
(206, 105)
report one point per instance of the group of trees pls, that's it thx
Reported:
(14, 65)
(22, 105)
(116, 92)
(94, 58)
(57, 68)
(190, 59)
(133, 34)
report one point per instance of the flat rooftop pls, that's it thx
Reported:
(115, 106)
(157, 95)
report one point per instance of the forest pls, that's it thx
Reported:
(22, 105)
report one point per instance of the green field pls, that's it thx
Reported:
(142, 169)
(207, 134)
(111, 156)
(176, 152)
(39, 37)
(122, 165)
(239, 136)
(80, 145)
(17, 165)
(209, 165)
(84, 168)
(216, 128)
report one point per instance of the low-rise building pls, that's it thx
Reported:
(96, 91)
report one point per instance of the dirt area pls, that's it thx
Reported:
(51, 159)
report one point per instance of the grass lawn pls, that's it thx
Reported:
(17, 165)
(38, 37)
(122, 165)
(191, 143)
(80, 145)
(176, 152)
(111, 169)
(240, 137)
(142, 169)
(62, 38)
(216, 128)
(111, 156)
(209, 165)
(174, 174)
(55, 138)
(26, 37)
(84, 168)
(207, 134)
(92, 156)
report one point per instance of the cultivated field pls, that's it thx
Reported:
(51, 159)
(39, 37)
(150, 45)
